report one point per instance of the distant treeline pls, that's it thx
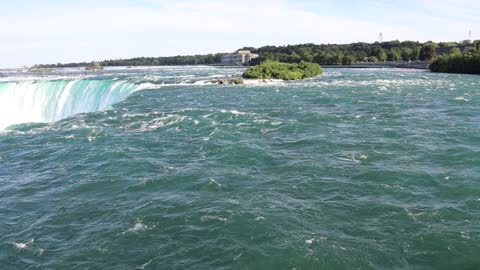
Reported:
(458, 62)
(346, 54)
(325, 54)
(150, 61)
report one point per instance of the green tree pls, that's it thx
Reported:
(393, 55)
(382, 55)
(427, 52)
(348, 60)
(407, 54)
(455, 51)
(339, 59)
(294, 58)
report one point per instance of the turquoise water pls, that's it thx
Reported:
(357, 169)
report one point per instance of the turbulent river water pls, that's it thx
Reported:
(155, 168)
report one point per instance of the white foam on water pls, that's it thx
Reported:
(258, 82)
(141, 267)
(414, 216)
(238, 256)
(462, 98)
(210, 218)
(316, 239)
(392, 187)
(214, 182)
(340, 247)
(139, 226)
(22, 246)
(158, 122)
(235, 112)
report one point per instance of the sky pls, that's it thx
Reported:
(51, 31)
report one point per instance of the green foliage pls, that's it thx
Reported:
(373, 59)
(348, 60)
(457, 62)
(455, 51)
(341, 54)
(427, 52)
(323, 54)
(407, 54)
(238, 81)
(394, 55)
(283, 71)
(382, 55)
(152, 61)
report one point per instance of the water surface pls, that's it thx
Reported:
(156, 169)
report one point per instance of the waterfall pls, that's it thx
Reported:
(49, 101)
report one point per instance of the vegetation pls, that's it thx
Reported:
(341, 54)
(238, 81)
(346, 54)
(283, 71)
(323, 54)
(151, 61)
(458, 62)
(427, 51)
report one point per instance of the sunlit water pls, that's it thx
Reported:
(157, 169)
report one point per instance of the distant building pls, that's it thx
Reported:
(94, 66)
(240, 57)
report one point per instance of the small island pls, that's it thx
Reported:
(283, 71)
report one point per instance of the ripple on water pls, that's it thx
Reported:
(374, 169)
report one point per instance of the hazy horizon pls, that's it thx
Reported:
(54, 31)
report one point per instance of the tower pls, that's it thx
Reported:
(380, 37)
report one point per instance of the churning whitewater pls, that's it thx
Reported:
(156, 168)
(49, 98)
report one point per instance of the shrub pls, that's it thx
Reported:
(283, 71)
(238, 81)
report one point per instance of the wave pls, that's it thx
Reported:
(49, 101)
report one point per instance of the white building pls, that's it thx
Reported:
(240, 57)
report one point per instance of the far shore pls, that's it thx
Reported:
(412, 65)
